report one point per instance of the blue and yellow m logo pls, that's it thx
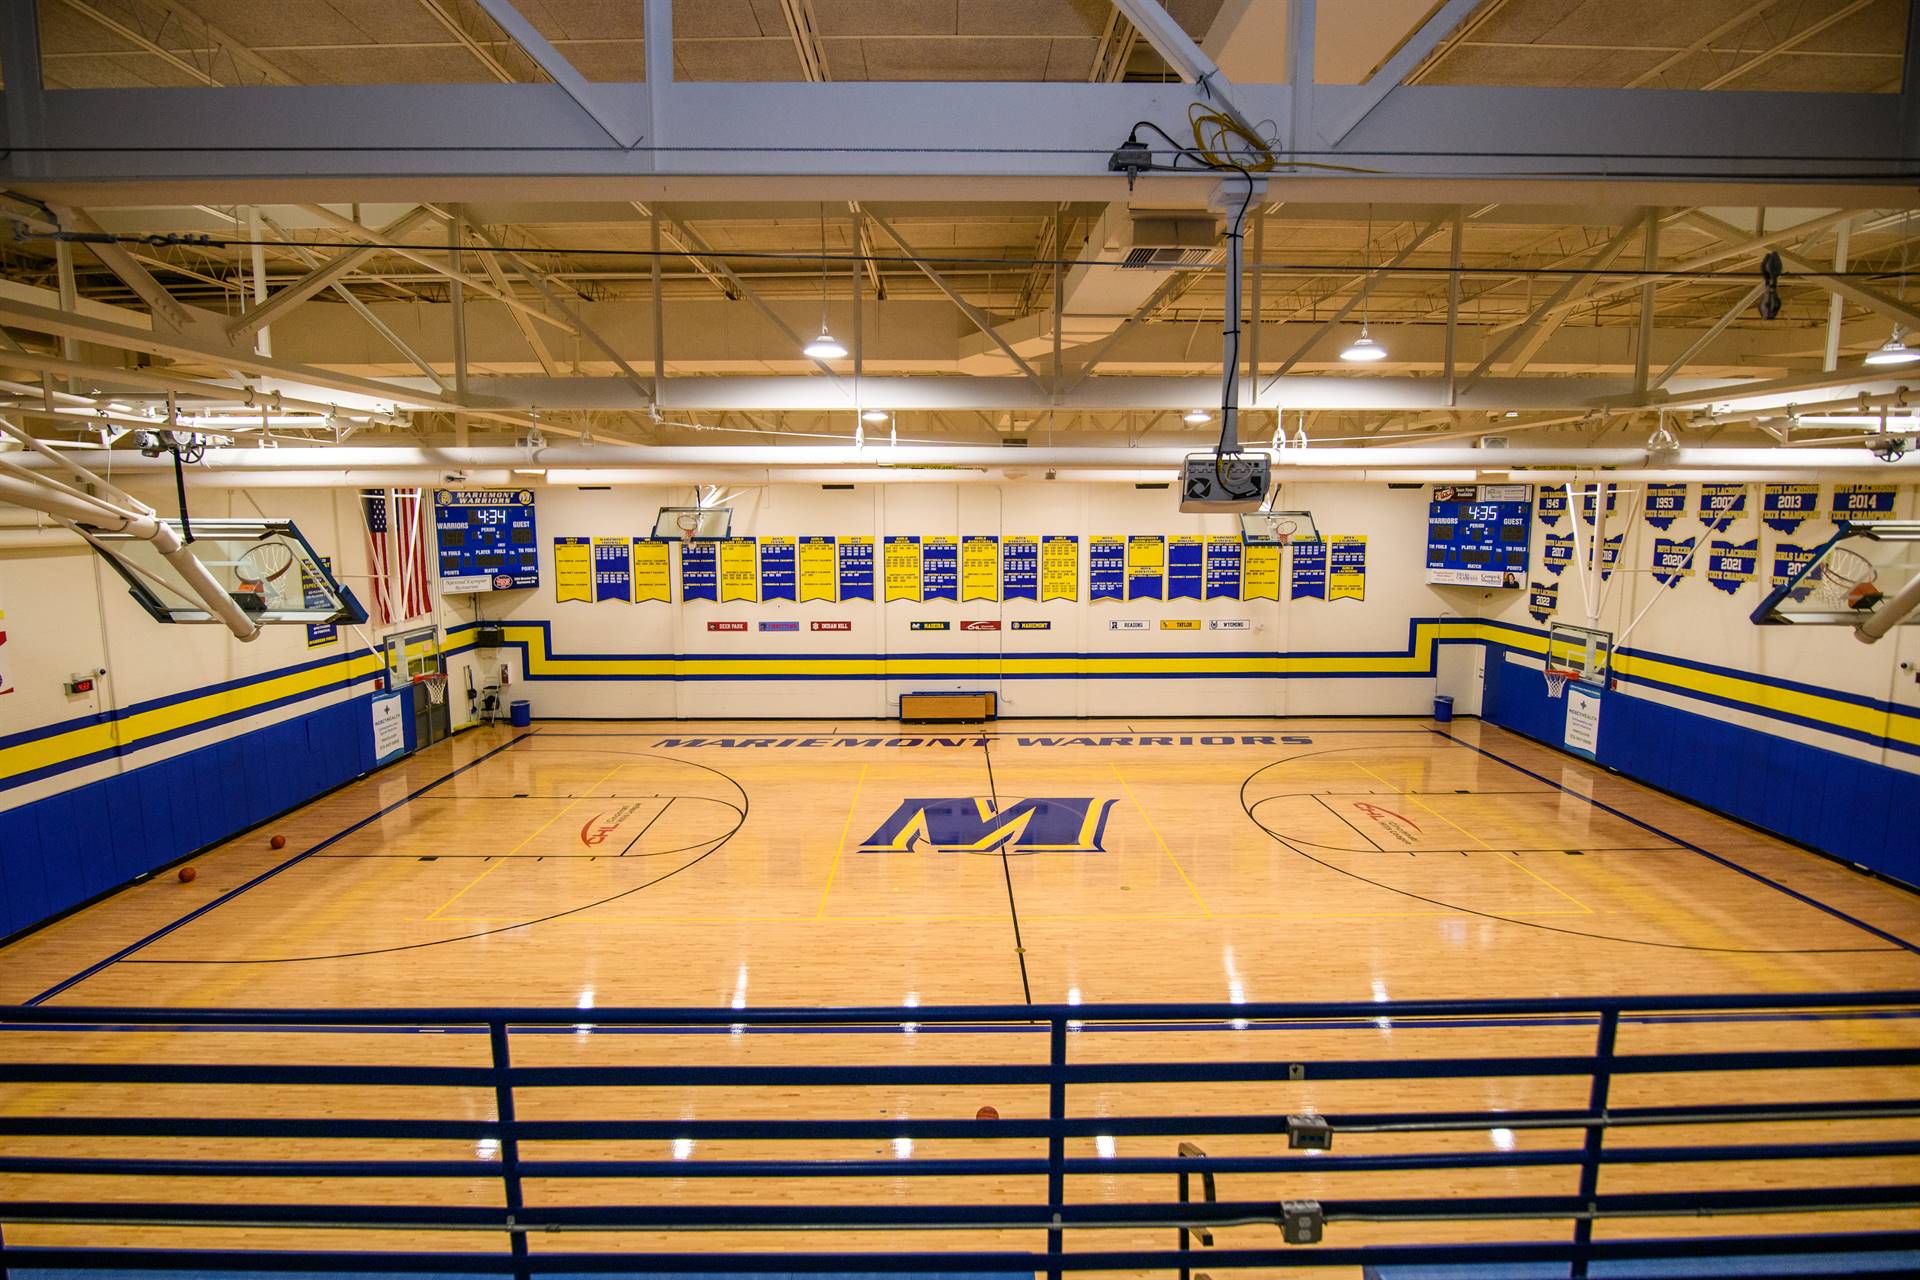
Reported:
(1072, 824)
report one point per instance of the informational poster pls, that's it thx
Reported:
(1788, 506)
(1731, 565)
(1582, 732)
(652, 572)
(1665, 504)
(486, 539)
(1543, 599)
(313, 595)
(389, 724)
(1260, 571)
(699, 571)
(980, 567)
(777, 569)
(1146, 567)
(739, 570)
(856, 569)
(1347, 566)
(1106, 568)
(1862, 502)
(1722, 504)
(1223, 567)
(573, 570)
(1060, 567)
(1558, 554)
(1309, 571)
(1590, 498)
(940, 568)
(613, 569)
(1672, 560)
(1186, 564)
(1788, 560)
(1020, 568)
(1552, 505)
(903, 567)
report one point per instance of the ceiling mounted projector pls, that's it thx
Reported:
(1225, 481)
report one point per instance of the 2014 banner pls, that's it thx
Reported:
(1863, 502)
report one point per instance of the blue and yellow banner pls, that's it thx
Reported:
(1731, 565)
(856, 569)
(1610, 555)
(1550, 504)
(1589, 501)
(1347, 566)
(1672, 560)
(1788, 506)
(1146, 566)
(1862, 502)
(613, 569)
(1260, 571)
(699, 571)
(1186, 567)
(1787, 560)
(1543, 598)
(940, 568)
(777, 569)
(1223, 567)
(1722, 504)
(573, 570)
(815, 563)
(1060, 567)
(652, 572)
(1665, 504)
(1558, 554)
(1020, 568)
(903, 568)
(1309, 571)
(313, 595)
(980, 567)
(1106, 568)
(739, 570)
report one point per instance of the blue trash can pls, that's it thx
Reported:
(1442, 709)
(520, 713)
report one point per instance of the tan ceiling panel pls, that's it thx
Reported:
(769, 58)
(583, 19)
(283, 22)
(1082, 18)
(891, 17)
(610, 60)
(713, 19)
(1070, 59)
(958, 59)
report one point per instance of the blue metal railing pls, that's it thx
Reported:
(521, 1229)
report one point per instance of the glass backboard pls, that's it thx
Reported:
(699, 524)
(1582, 653)
(1862, 574)
(265, 566)
(1277, 528)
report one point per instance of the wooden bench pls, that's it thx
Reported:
(947, 708)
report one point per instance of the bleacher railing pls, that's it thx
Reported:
(1809, 1091)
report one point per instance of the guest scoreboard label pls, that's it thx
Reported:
(1477, 535)
(486, 539)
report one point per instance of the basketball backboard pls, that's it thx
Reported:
(1866, 576)
(1582, 653)
(265, 566)
(1277, 528)
(693, 524)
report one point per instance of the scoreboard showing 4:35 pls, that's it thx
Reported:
(486, 539)
(1478, 535)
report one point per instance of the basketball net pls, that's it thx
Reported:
(689, 525)
(1557, 681)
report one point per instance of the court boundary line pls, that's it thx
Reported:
(1804, 898)
(270, 873)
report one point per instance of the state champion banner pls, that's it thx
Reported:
(1542, 599)
(573, 570)
(815, 570)
(1861, 502)
(1020, 567)
(1665, 504)
(1730, 565)
(1788, 560)
(1060, 566)
(1590, 501)
(903, 567)
(613, 569)
(1309, 570)
(1146, 566)
(313, 595)
(1223, 566)
(1551, 504)
(1558, 554)
(1260, 571)
(1788, 506)
(980, 567)
(699, 571)
(1672, 560)
(739, 570)
(1186, 567)
(1347, 566)
(1722, 504)
(1106, 568)
(1609, 555)
(940, 568)
(777, 569)
(652, 571)
(856, 569)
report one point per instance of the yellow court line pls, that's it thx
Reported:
(534, 835)
(845, 829)
(1088, 917)
(1134, 800)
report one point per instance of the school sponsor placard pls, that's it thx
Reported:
(1030, 624)
(1019, 568)
(1128, 624)
(817, 569)
(1543, 598)
(1665, 504)
(1060, 567)
(903, 567)
(573, 570)
(1229, 624)
(1672, 560)
(1106, 568)
(1347, 566)
(856, 568)
(980, 624)
(933, 625)
(1146, 566)
(1731, 565)
(1186, 567)
(1788, 506)
(980, 567)
(1862, 502)
(1179, 624)
(940, 568)
(782, 624)
(831, 624)
(726, 626)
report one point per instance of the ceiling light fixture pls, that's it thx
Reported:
(1197, 416)
(873, 415)
(1894, 351)
(826, 346)
(1364, 349)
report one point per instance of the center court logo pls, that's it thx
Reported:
(1070, 824)
(595, 830)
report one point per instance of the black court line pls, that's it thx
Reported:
(1006, 871)
(650, 821)
(1731, 865)
(267, 875)
(1344, 818)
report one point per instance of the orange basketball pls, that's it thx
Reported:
(1864, 595)
(187, 874)
(986, 1113)
(278, 842)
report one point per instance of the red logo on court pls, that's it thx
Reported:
(1395, 824)
(596, 829)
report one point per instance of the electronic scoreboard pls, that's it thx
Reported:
(1478, 535)
(486, 538)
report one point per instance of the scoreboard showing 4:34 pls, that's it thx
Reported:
(486, 539)
(1478, 535)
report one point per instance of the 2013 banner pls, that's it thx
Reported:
(1788, 506)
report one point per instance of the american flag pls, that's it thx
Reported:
(396, 554)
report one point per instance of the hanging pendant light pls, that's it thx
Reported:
(1364, 349)
(1196, 416)
(873, 415)
(1894, 351)
(826, 346)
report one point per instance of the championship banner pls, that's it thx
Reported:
(815, 570)
(1020, 568)
(1672, 560)
(980, 567)
(573, 570)
(1550, 504)
(856, 569)
(1347, 566)
(903, 567)
(313, 596)
(1788, 506)
(1589, 499)
(1542, 599)
(1787, 561)
(1260, 571)
(739, 570)
(1146, 567)
(1722, 504)
(1309, 570)
(777, 571)
(1558, 554)
(1223, 567)
(1186, 566)
(1060, 567)
(940, 568)
(613, 569)
(1610, 556)
(1106, 568)
(699, 571)
(1665, 504)
(1862, 502)
(6, 685)
(1730, 565)
(652, 571)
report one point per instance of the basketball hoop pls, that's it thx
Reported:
(436, 686)
(688, 522)
(1845, 580)
(1557, 678)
